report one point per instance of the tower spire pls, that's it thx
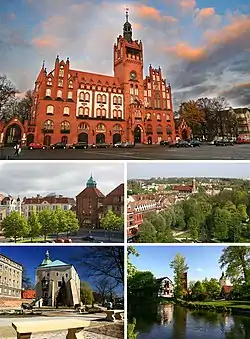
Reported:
(127, 13)
(127, 27)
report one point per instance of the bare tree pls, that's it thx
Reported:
(105, 288)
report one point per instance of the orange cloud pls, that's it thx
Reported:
(187, 4)
(45, 42)
(186, 52)
(238, 28)
(206, 12)
(137, 26)
(147, 12)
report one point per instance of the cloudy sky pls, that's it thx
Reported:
(28, 179)
(203, 46)
(189, 169)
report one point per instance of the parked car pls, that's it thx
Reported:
(59, 241)
(128, 144)
(172, 144)
(68, 241)
(224, 143)
(36, 145)
(195, 143)
(164, 143)
(183, 143)
(79, 145)
(88, 238)
(58, 145)
(117, 145)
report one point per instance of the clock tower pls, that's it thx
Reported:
(128, 67)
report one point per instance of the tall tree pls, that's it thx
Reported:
(34, 225)
(105, 288)
(180, 267)
(15, 225)
(147, 233)
(86, 293)
(194, 115)
(112, 222)
(26, 280)
(44, 217)
(7, 91)
(25, 106)
(72, 223)
(236, 259)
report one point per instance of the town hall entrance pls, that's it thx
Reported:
(13, 134)
(83, 137)
(117, 138)
(138, 135)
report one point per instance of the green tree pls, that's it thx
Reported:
(212, 288)
(222, 218)
(34, 225)
(180, 267)
(15, 225)
(111, 221)
(242, 209)
(58, 221)
(147, 232)
(193, 227)
(198, 290)
(236, 259)
(47, 226)
(86, 293)
(72, 223)
(131, 269)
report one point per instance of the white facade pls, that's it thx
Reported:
(166, 288)
(10, 278)
(84, 104)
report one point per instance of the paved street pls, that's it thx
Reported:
(139, 152)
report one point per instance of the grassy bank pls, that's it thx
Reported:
(224, 306)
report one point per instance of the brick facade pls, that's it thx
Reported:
(71, 105)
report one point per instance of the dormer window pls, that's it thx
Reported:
(61, 71)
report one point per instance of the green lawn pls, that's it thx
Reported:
(225, 303)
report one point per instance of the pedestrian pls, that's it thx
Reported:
(16, 147)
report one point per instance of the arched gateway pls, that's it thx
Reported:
(12, 135)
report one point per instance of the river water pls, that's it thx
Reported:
(174, 322)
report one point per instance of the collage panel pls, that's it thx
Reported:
(188, 202)
(61, 202)
(195, 292)
(47, 292)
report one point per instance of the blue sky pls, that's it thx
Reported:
(202, 46)
(32, 256)
(202, 260)
(189, 169)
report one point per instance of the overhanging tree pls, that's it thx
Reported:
(180, 268)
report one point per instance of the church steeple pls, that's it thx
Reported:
(91, 182)
(127, 28)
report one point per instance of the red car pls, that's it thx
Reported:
(35, 145)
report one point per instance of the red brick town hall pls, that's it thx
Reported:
(73, 106)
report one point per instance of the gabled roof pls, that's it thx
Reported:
(95, 78)
(91, 192)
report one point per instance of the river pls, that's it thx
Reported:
(175, 322)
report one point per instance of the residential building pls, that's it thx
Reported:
(51, 202)
(114, 201)
(57, 283)
(10, 278)
(166, 289)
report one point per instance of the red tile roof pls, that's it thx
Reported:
(91, 191)
(117, 192)
(49, 200)
(227, 289)
(183, 188)
(106, 80)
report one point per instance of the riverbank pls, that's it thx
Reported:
(221, 306)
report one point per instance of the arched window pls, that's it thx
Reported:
(104, 99)
(70, 84)
(104, 112)
(115, 113)
(100, 128)
(148, 116)
(136, 90)
(80, 111)
(99, 98)
(60, 83)
(50, 109)
(48, 92)
(87, 96)
(98, 112)
(117, 127)
(119, 113)
(66, 111)
(59, 93)
(158, 117)
(169, 130)
(48, 125)
(81, 96)
(115, 100)
(149, 129)
(86, 111)
(167, 117)
(70, 95)
(119, 100)
(65, 126)
(61, 71)
(159, 129)
(49, 82)
(83, 126)
(132, 89)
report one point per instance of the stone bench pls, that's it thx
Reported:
(75, 327)
(113, 315)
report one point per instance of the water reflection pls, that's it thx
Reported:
(175, 322)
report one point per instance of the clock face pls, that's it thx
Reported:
(133, 75)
